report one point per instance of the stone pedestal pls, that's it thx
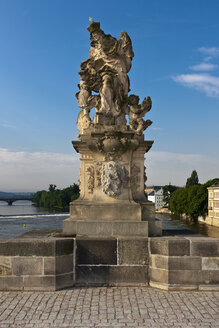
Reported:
(112, 180)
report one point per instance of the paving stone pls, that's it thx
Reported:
(124, 306)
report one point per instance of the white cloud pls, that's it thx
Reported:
(165, 167)
(211, 52)
(204, 67)
(25, 171)
(203, 82)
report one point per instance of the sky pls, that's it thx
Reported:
(176, 63)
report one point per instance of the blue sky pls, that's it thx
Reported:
(176, 63)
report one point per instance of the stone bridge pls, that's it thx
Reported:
(12, 199)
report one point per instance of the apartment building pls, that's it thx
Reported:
(213, 205)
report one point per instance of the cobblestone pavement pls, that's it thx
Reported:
(109, 307)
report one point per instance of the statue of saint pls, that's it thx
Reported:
(105, 72)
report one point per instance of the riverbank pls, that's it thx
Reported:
(210, 221)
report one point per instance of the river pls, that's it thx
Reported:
(23, 216)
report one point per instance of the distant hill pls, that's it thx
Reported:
(14, 194)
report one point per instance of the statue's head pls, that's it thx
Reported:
(94, 26)
(133, 100)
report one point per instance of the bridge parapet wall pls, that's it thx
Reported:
(184, 263)
(52, 263)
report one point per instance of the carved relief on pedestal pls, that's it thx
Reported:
(98, 173)
(112, 145)
(112, 179)
(135, 178)
(90, 179)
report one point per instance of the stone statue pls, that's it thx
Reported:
(112, 173)
(136, 112)
(105, 72)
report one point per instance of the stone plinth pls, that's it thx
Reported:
(37, 262)
(111, 186)
(184, 263)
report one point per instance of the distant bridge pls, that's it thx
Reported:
(11, 200)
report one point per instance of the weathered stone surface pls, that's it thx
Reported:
(39, 283)
(205, 247)
(58, 265)
(108, 228)
(11, 283)
(158, 275)
(111, 275)
(187, 277)
(129, 275)
(210, 263)
(64, 246)
(64, 281)
(130, 228)
(170, 246)
(22, 265)
(49, 265)
(133, 251)
(36, 247)
(92, 275)
(94, 228)
(91, 211)
(5, 266)
(154, 228)
(159, 261)
(64, 264)
(96, 251)
(209, 277)
(184, 263)
(27, 247)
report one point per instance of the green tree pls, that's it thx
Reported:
(56, 198)
(178, 201)
(52, 187)
(193, 180)
(192, 200)
(167, 193)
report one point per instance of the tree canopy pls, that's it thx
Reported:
(191, 200)
(193, 180)
(167, 192)
(56, 199)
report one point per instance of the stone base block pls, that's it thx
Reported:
(172, 287)
(11, 283)
(118, 211)
(36, 262)
(170, 246)
(184, 263)
(109, 275)
(111, 228)
(105, 228)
